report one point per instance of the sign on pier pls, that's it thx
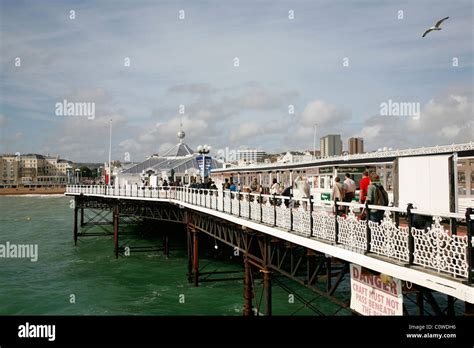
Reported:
(375, 294)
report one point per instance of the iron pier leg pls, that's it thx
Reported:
(189, 247)
(267, 289)
(248, 311)
(450, 306)
(190, 255)
(420, 303)
(75, 223)
(82, 217)
(328, 274)
(116, 229)
(468, 309)
(195, 258)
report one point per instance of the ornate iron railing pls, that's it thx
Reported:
(434, 248)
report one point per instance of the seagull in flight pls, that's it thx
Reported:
(436, 27)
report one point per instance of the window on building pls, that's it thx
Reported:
(462, 183)
(472, 183)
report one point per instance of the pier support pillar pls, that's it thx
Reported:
(328, 274)
(190, 255)
(82, 217)
(267, 291)
(116, 230)
(248, 311)
(420, 303)
(75, 223)
(468, 309)
(450, 311)
(189, 245)
(195, 257)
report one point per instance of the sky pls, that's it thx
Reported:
(334, 62)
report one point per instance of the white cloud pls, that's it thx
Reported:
(321, 113)
(450, 132)
(369, 133)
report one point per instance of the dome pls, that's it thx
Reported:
(181, 135)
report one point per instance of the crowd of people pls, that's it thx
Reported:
(371, 192)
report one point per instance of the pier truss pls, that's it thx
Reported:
(272, 248)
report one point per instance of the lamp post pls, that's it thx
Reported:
(78, 171)
(100, 173)
(110, 153)
(314, 141)
(204, 150)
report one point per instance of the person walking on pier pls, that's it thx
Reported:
(337, 191)
(232, 186)
(349, 190)
(376, 195)
(226, 185)
(364, 185)
(255, 187)
(275, 189)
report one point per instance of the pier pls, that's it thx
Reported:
(309, 242)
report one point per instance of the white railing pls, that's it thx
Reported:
(433, 247)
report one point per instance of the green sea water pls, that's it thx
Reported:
(141, 284)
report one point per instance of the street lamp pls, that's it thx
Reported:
(78, 171)
(204, 150)
(314, 141)
(68, 176)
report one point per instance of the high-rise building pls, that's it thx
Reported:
(250, 155)
(331, 145)
(356, 145)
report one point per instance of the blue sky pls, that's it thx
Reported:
(282, 61)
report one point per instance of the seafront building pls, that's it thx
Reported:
(34, 169)
(294, 158)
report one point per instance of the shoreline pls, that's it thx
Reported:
(32, 191)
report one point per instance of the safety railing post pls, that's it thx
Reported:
(367, 229)
(250, 207)
(336, 223)
(223, 200)
(291, 211)
(411, 240)
(469, 256)
(238, 198)
(275, 210)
